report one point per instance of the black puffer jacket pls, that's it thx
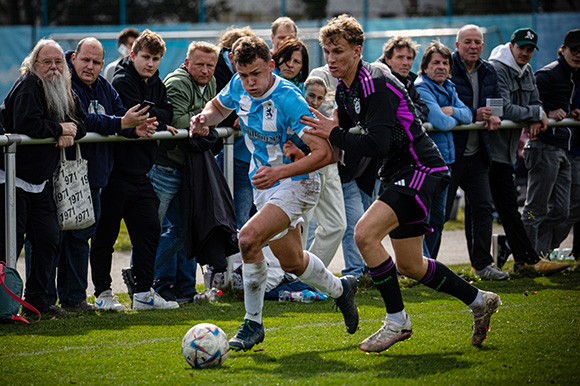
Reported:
(558, 84)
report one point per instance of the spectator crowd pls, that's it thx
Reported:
(179, 211)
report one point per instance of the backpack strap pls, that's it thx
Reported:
(13, 296)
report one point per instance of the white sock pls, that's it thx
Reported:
(141, 295)
(398, 317)
(317, 275)
(255, 277)
(478, 300)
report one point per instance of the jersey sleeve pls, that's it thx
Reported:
(295, 107)
(380, 114)
(226, 96)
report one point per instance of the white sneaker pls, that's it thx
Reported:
(153, 301)
(107, 301)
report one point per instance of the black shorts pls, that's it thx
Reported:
(410, 193)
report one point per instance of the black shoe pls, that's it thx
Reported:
(171, 294)
(47, 310)
(129, 280)
(346, 303)
(79, 307)
(249, 334)
(503, 251)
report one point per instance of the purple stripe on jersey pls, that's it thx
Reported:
(439, 169)
(416, 177)
(406, 118)
(415, 174)
(364, 81)
(420, 182)
(415, 156)
(382, 270)
(368, 79)
(430, 272)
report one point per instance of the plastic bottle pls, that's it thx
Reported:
(212, 294)
(284, 296)
(296, 296)
(287, 296)
(308, 296)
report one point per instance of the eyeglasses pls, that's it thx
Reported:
(575, 50)
(48, 62)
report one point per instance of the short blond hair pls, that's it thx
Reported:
(202, 46)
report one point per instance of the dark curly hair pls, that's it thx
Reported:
(249, 48)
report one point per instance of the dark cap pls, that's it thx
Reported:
(525, 36)
(572, 38)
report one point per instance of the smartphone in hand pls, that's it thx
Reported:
(145, 104)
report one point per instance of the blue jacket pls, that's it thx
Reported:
(488, 88)
(435, 97)
(104, 110)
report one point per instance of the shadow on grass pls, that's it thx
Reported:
(314, 364)
(228, 312)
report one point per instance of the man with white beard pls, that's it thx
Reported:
(41, 104)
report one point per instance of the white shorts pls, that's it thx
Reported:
(295, 198)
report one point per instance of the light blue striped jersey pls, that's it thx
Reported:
(267, 122)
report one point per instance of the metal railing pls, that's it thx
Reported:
(10, 142)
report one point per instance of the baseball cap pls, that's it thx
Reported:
(572, 38)
(523, 36)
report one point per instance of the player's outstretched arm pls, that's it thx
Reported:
(212, 114)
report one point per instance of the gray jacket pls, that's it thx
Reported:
(521, 102)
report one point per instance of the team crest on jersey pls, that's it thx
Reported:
(268, 113)
(269, 116)
(356, 103)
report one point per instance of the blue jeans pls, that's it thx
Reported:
(436, 219)
(72, 261)
(171, 264)
(243, 193)
(353, 205)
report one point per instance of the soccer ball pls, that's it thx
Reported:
(205, 345)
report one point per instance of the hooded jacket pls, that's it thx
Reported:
(521, 102)
(135, 159)
(104, 110)
(25, 111)
(436, 96)
(558, 84)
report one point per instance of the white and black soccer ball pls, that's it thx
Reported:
(205, 345)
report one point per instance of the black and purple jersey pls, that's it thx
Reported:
(380, 106)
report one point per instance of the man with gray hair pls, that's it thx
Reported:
(41, 104)
(282, 28)
(475, 82)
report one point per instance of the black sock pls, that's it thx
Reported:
(442, 279)
(385, 278)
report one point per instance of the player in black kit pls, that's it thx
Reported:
(412, 174)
